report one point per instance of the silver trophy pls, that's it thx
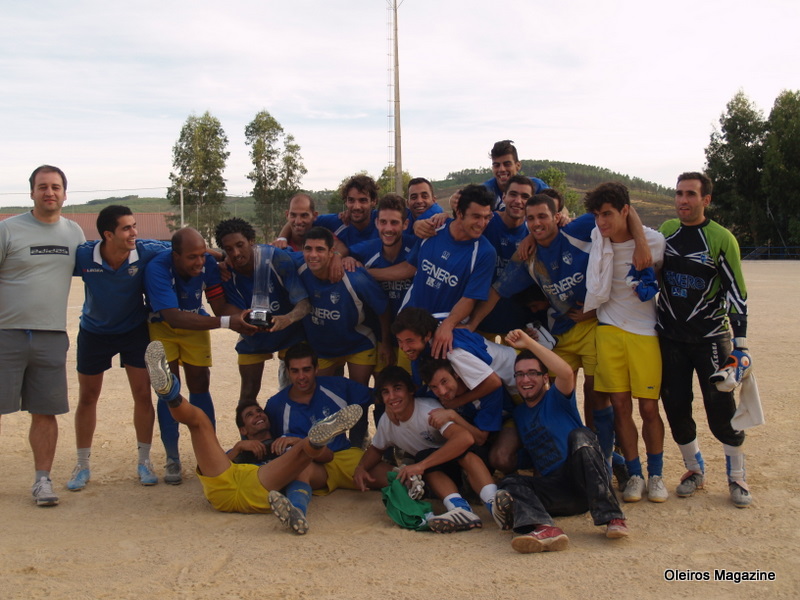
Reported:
(260, 315)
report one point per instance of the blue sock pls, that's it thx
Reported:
(634, 467)
(617, 459)
(171, 397)
(604, 428)
(203, 401)
(299, 494)
(655, 464)
(169, 431)
(456, 501)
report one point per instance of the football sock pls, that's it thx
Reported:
(487, 495)
(299, 494)
(83, 457)
(203, 401)
(734, 462)
(655, 464)
(169, 431)
(604, 428)
(456, 501)
(692, 458)
(144, 452)
(634, 467)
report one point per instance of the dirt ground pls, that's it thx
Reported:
(117, 539)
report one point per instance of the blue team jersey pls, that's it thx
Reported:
(559, 269)
(166, 289)
(491, 185)
(448, 270)
(114, 299)
(348, 234)
(508, 314)
(544, 429)
(371, 256)
(289, 418)
(343, 318)
(285, 291)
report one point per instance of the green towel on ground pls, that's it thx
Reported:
(408, 513)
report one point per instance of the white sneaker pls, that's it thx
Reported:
(454, 520)
(325, 430)
(42, 492)
(656, 490)
(633, 489)
(155, 359)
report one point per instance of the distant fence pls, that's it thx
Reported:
(770, 252)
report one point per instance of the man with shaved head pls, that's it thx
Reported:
(175, 282)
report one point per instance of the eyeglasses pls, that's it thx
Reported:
(532, 373)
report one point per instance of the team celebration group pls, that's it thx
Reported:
(463, 329)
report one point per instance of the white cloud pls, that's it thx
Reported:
(103, 91)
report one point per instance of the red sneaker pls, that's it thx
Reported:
(617, 528)
(545, 538)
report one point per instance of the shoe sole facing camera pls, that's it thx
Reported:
(157, 368)
(288, 514)
(502, 509)
(527, 544)
(324, 431)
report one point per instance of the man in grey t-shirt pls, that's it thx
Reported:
(37, 257)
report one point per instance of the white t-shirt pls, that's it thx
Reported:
(623, 308)
(412, 436)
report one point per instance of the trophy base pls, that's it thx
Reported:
(259, 318)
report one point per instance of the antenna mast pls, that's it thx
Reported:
(394, 98)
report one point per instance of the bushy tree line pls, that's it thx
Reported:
(198, 162)
(576, 175)
(754, 162)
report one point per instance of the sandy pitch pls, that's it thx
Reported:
(117, 539)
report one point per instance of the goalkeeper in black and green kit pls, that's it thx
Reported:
(702, 305)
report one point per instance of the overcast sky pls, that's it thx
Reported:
(102, 89)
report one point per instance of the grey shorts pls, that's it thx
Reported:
(33, 371)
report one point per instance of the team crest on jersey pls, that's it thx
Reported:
(335, 297)
(445, 255)
(133, 270)
(197, 294)
(567, 257)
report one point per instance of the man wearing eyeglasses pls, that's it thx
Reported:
(571, 472)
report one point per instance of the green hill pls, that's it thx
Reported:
(653, 202)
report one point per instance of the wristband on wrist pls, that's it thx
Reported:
(225, 322)
(281, 239)
(740, 343)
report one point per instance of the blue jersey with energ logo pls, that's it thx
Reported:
(559, 269)
(286, 290)
(343, 318)
(448, 270)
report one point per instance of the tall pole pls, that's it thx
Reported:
(183, 223)
(398, 162)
